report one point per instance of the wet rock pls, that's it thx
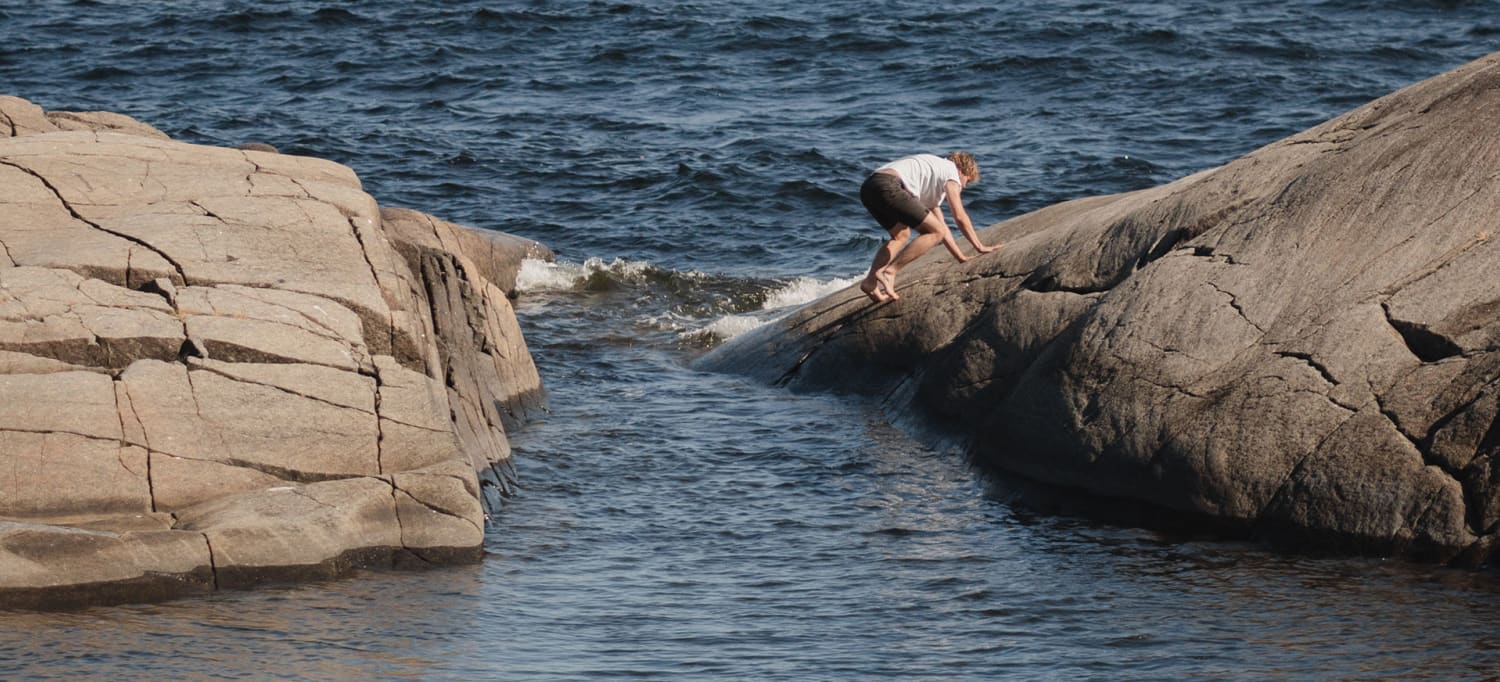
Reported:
(220, 367)
(51, 565)
(1300, 343)
(295, 532)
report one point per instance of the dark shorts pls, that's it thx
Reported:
(888, 201)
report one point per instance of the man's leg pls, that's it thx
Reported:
(883, 257)
(933, 232)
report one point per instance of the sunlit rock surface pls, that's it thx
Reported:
(219, 367)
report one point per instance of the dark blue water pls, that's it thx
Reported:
(695, 165)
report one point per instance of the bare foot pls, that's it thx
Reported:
(888, 282)
(871, 287)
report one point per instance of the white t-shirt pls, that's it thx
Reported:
(926, 176)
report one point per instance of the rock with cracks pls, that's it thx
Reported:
(220, 367)
(1303, 344)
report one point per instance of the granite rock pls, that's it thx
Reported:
(1300, 344)
(220, 367)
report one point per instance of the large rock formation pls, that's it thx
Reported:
(1301, 343)
(221, 366)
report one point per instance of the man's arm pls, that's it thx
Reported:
(961, 217)
(936, 214)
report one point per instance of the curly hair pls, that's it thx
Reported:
(966, 164)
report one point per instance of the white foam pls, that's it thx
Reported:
(730, 326)
(539, 275)
(803, 290)
(629, 270)
(779, 304)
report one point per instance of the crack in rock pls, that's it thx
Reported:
(306, 193)
(79, 217)
(795, 369)
(243, 380)
(396, 511)
(194, 203)
(44, 432)
(379, 427)
(216, 348)
(253, 164)
(1044, 284)
(1164, 245)
(280, 473)
(1332, 400)
(1423, 447)
(121, 386)
(1234, 302)
(364, 250)
(419, 427)
(1311, 362)
(435, 509)
(1424, 343)
(213, 564)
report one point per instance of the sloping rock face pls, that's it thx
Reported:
(1301, 343)
(219, 367)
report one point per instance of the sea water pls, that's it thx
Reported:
(695, 165)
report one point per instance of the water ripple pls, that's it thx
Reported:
(696, 163)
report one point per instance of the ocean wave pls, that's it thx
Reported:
(690, 307)
(536, 276)
(779, 303)
(804, 290)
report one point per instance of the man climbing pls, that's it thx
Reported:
(908, 193)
